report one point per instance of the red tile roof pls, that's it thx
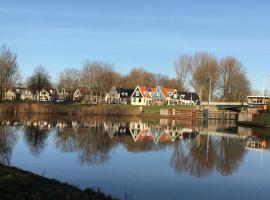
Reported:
(146, 91)
(166, 91)
(84, 90)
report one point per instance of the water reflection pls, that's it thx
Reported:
(195, 150)
(36, 134)
(7, 142)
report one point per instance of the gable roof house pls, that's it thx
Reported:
(43, 95)
(175, 98)
(85, 95)
(26, 95)
(189, 98)
(119, 96)
(161, 95)
(184, 98)
(142, 96)
(10, 94)
(14, 93)
(81, 93)
(62, 95)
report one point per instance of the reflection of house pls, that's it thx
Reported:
(119, 96)
(142, 96)
(161, 95)
(136, 128)
(256, 143)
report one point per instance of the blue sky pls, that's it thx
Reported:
(143, 33)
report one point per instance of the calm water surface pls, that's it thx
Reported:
(150, 159)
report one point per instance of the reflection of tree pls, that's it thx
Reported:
(94, 146)
(230, 155)
(66, 140)
(205, 154)
(7, 142)
(35, 137)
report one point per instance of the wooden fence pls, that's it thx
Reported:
(198, 114)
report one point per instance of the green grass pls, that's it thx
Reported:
(16, 184)
(262, 119)
(156, 109)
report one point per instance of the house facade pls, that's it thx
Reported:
(43, 95)
(119, 96)
(142, 96)
(26, 95)
(10, 95)
(258, 101)
(161, 95)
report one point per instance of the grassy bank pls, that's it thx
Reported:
(155, 110)
(67, 109)
(262, 118)
(82, 109)
(258, 120)
(18, 184)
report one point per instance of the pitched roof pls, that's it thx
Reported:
(189, 96)
(84, 90)
(146, 91)
(184, 95)
(166, 91)
(125, 93)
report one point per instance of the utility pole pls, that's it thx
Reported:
(210, 88)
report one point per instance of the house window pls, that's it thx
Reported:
(158, 94)
(140, 100)
(134, 100)
(175, 96)
(137, 93)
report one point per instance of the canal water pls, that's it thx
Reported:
(144, 158)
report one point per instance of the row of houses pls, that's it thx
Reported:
(50, 95)
(141, 95)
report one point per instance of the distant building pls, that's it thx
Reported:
(84, 94)
(26, 95)
(119, 96)
(258, 101)
(184, 98)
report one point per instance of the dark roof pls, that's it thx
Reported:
(195, 97)
(125, 93)
(184, 95)
(189, 96)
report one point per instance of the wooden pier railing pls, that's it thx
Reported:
(198, 114)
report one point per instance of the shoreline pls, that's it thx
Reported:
(253, 124)
(74, 109)
(18, 184)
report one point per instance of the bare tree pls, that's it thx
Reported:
(234, 84)
(205, 74)
(39, 80)
(69, 79)
(138, 76)
(8, 69)
(183, 68)
(99, 77)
